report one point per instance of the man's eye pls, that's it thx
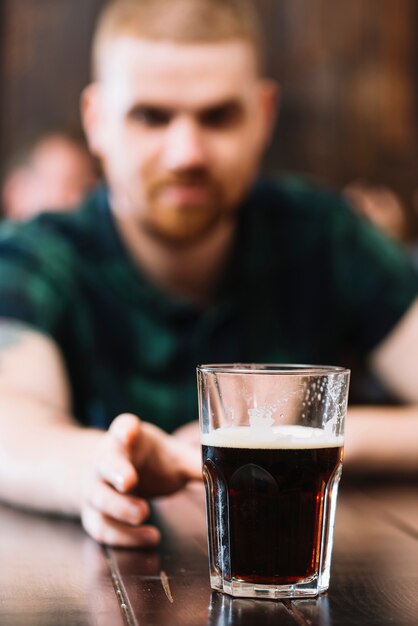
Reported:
(150, 116)
(221, 117)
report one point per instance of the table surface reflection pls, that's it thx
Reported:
(51, 573)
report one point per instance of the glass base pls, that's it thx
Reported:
(307, 588)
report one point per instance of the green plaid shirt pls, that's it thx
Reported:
(308, 282)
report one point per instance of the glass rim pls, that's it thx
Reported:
(287, 369)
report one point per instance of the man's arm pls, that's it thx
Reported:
(42, 451)
(386, 438)
(395, 360)
(49, 462)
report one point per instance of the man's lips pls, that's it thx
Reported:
(179, 194)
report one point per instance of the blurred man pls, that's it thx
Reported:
(55, 172)
(381, 206)
(184, 257)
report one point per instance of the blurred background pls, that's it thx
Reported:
(348, 71)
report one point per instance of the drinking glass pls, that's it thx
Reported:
(272, 446)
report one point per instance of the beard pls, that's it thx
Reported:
(175, 224)
(179, 228)
(183, 209)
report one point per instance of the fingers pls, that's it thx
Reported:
(109, 513)
(111, 532)
(123, 508)
(116, 469)
(189, 433)
(187, 444)
(190, 461)
(189, 450)
(134, 454)
(115, 466)
(126, 428)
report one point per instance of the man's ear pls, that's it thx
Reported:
(269, 103)
(90, 116)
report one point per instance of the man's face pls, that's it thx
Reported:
(180, 130)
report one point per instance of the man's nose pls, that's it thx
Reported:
(184, 145)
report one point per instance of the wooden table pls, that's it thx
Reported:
(52, 574)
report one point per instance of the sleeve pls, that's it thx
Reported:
(375, 279)
(35, 277)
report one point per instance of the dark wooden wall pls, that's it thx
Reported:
(348, 72)
(44, 65)
(349, 76)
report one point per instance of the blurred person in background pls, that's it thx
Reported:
(381, 206)
(384, 208)
(186, 256)
(54, 172)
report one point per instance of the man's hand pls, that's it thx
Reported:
(136, 460)
(189, 433)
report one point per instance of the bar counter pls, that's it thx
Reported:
(53, 574)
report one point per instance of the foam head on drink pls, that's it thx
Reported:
(273, 438)
(266, 489)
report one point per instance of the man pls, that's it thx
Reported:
(55, 172)
(183, 259)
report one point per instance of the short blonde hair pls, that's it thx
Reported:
(180, 21)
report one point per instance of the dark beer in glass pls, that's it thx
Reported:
(271, 475)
